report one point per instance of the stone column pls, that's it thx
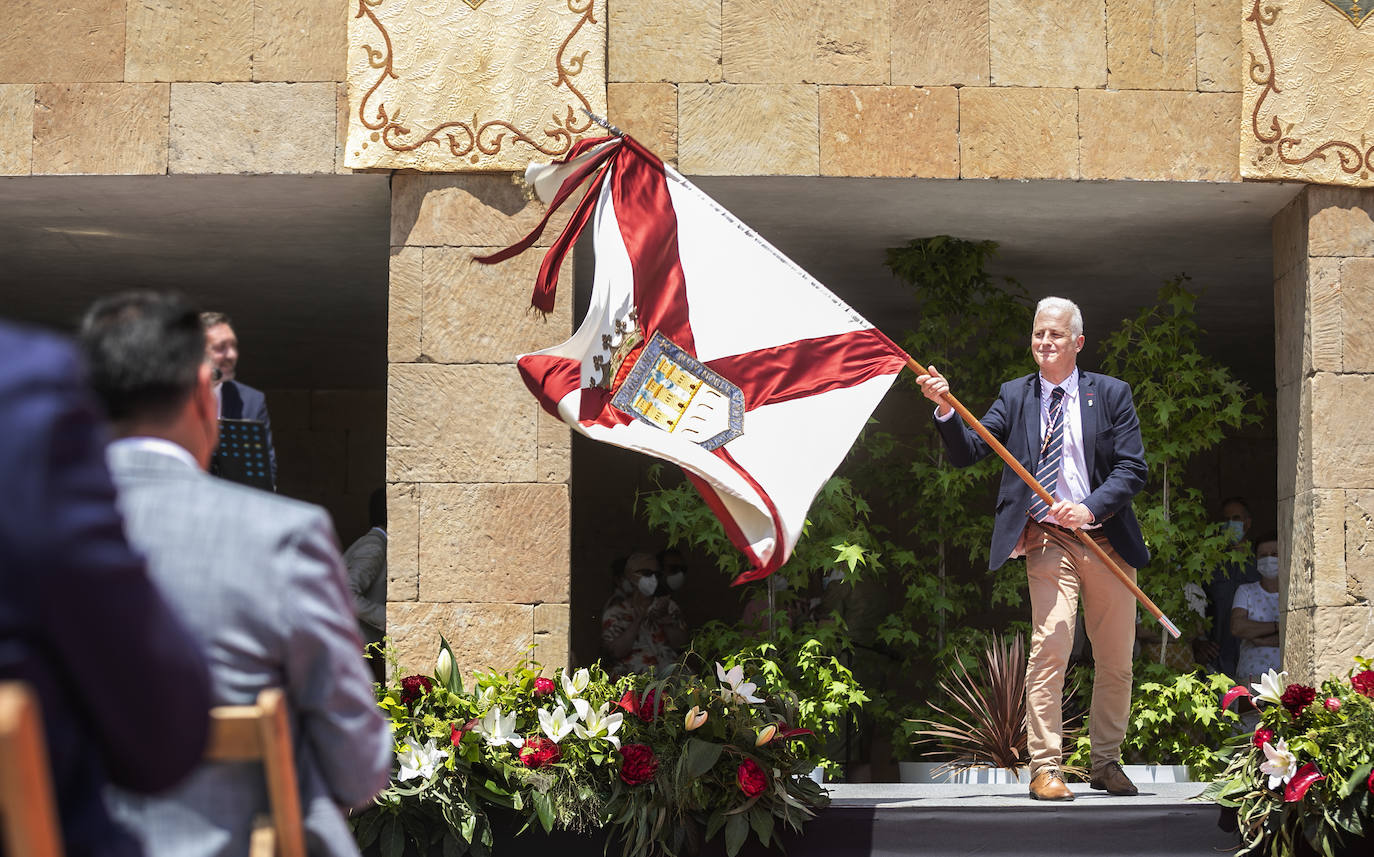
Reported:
(477, 474)
(1323, 291)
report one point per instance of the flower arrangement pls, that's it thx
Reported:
(1302, 782)
(664, 763)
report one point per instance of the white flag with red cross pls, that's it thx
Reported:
(704, 346)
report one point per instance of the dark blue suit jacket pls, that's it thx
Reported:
(239, 401)
(1111, 447)
(124, 689)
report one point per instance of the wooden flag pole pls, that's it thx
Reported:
(1040, 492)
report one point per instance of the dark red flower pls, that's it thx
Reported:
(539, 752)
(458, 732)
(786, 731)
(752, 780)
(1301, 782)
(1263, 736)
(638, 765)
(1297, 697)
(1233, 694)
(645, 707)
(1370, 785)
(543, 686)
(1332, 704)
(1363, 682)
(415, 686)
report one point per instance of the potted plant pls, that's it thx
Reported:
(1303, 782)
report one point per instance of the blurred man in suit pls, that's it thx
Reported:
(237, 401)
(257, 576)
(365, 560)
(124, 689)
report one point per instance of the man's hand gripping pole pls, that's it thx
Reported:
(1040, 492)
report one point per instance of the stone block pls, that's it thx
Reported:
(1219, 47)
(16, 129)
(475, 313)
(483, 636)
(1295, 591)
(1173, 136)
(299, 40)
(494, 542)
(645, 44)
(791, 41)
(189, 40)
(101, 128)
(1316, 564)
(940, 42)
(1298, 644)
(1054, 43)
(889, 131)
(1323, 336)
(555, 448)
(551, 635)
(734, 130)
(1018, 133)
(404, 305)
(363, 410)
(1151, 44)
(459, 424)
(1339, 634)
(1294, 436)
(1356, 290)
(262, 128)
(403, 541)
(1342, 447)
(1339, 221)
(1354, 583)
(647, 112)
(477, 210)
(1289, 229)
(71, 41)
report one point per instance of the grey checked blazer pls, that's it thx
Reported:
(258, 579)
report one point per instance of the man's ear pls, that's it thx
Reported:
(1078, 343)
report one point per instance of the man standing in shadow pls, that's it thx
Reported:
(237, 400)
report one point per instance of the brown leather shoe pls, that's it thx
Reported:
(1049, 785)
(1114, 781)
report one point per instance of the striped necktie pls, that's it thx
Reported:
(1051, 455)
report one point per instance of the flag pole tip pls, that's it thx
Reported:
(601, 120)
(1169, 626)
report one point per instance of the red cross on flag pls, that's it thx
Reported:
(704, 346)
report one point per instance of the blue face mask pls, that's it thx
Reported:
(1236, 529)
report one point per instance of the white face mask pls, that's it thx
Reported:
(1268, 566)
(648, 584)
(1236, 530)
(675, 580)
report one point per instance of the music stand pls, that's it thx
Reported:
(242, 454)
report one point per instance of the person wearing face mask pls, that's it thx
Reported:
(642, 626)
(1220, 649)
(674, 567)
(1255, 616)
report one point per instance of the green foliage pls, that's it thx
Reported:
(1174, 720)
(1335, 815)
(1187, 403)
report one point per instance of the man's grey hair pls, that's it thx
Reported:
(1063, 305)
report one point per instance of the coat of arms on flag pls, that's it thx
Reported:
(703, 345)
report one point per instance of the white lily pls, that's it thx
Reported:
(1279, 763)
(499, 730)
(443, 667)
(576, 683)
(695, 718)
(734, 687)
(419, 760)
(556, 724)
(487, 695)
(596, 723)
(1271, 686)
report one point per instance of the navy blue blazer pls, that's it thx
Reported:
(1112, 449)
(238, 401)
(124, 688)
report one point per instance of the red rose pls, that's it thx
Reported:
(1297, 697)
(752, 780)
(638, 765)
(1263, 736)
(543, 686)
(1363, 682)
(415, 686)
(539, 752)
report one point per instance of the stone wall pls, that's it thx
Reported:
(1323, 288)
(112, 87)
(1034, 89)
(477, 473)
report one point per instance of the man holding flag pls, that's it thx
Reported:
(1078, 433)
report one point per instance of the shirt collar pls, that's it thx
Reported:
(1069, 384)
(157, 445)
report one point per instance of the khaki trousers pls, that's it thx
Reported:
(1060, 569)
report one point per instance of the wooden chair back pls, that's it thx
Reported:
(28, 805)
(262, 732)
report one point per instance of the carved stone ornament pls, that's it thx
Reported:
(472, 85)
(1308, 93)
